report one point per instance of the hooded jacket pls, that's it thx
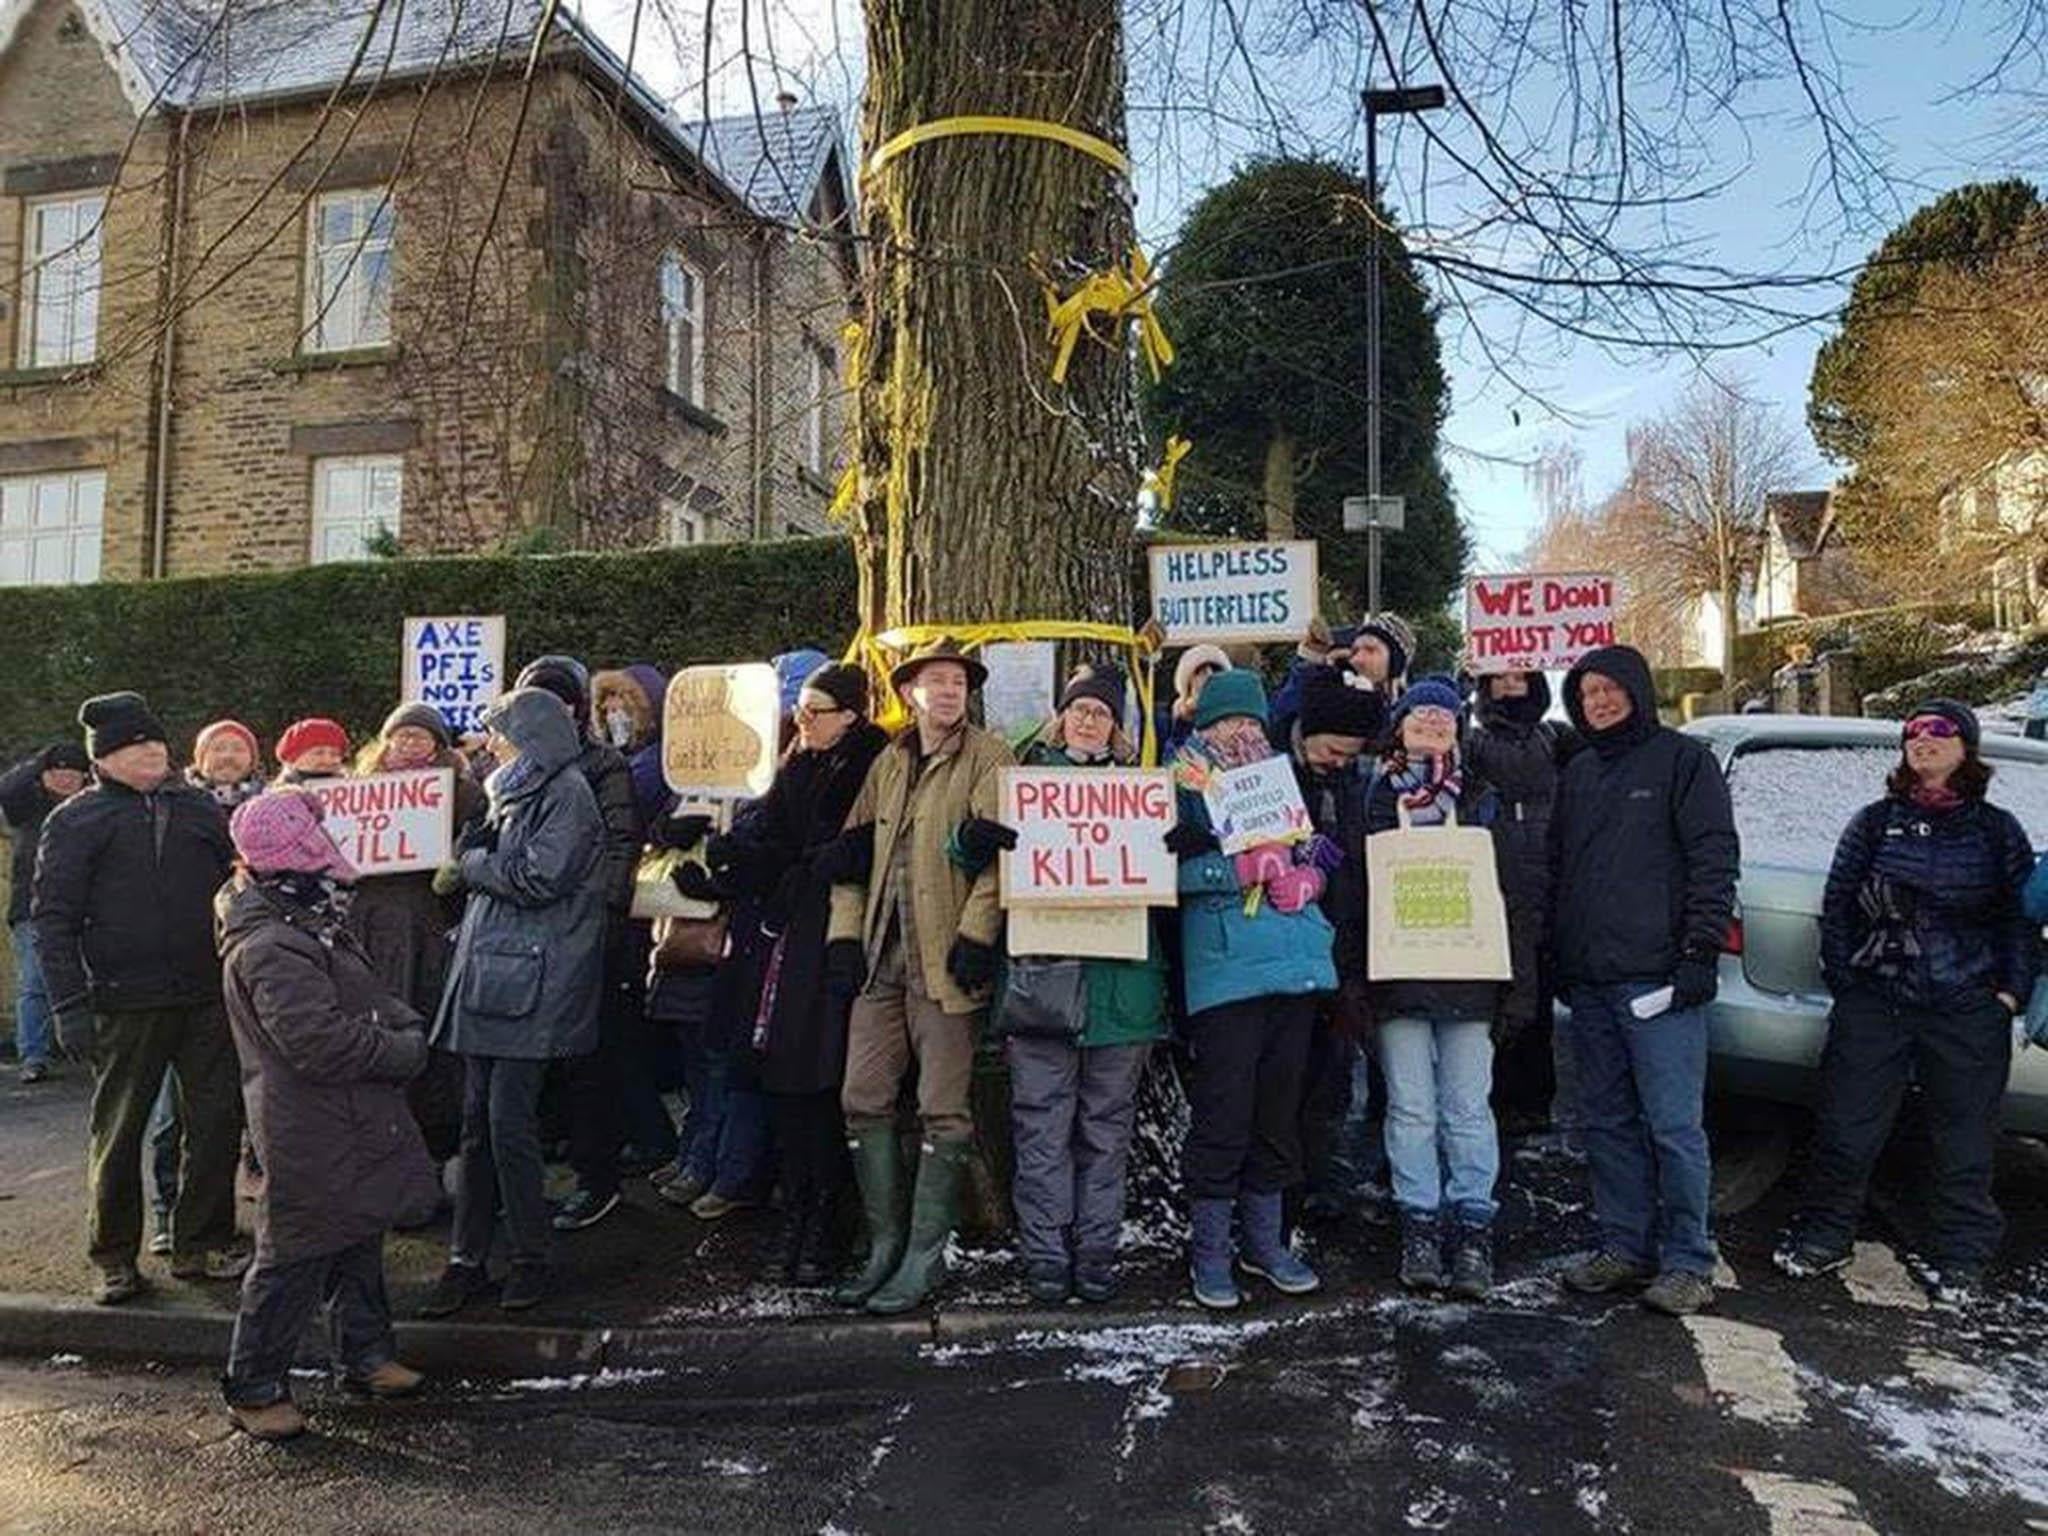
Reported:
(524, 981)
(123, 898)
(24, 803)
(638, 690)
(1646, 854)
(325, 1053)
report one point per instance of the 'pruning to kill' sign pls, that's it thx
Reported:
(457, 665)
(1235, 592)
(1536, 623)
(390, 823)
(1089, 837)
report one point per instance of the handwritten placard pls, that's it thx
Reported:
(1258, 803)
(455, 664)
(1089, 837)
(1234, 592)
(719, 730)
(1019, 692)
(1536, 623)
(390, 823)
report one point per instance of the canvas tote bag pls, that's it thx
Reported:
(1436, 911)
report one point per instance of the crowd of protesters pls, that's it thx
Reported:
(245, 1000)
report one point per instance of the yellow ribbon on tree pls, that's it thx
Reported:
(1160, 481)
(877, 654)
(1008, 127)
(1118, 294)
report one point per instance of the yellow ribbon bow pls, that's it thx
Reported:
(1120, 295)
(1160, 481)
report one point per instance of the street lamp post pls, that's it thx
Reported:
(1378, 104)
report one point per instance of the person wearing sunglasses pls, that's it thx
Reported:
(1929, 953)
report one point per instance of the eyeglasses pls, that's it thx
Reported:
(1940, 727)
(1088, 709)
(808, 712)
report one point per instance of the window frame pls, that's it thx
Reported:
(822, 364)
(323, 518)
(37, 268)
(683, 378)
(676, 515)
(320, 312)
(31, 486)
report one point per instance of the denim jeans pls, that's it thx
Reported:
(501, 1166)
(1442, 1147)
(1641, 1083)
(725, 1136)
(164, 1137)
(31, 1000)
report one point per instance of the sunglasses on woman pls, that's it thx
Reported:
(1940, 727)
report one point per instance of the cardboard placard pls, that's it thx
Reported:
(719, 730)
(1536, 623)
(1019, 692)
(1259, 803)
(390, 823)
(455, 664)
(1234, 592)
(1089, 837)
(1080, 933)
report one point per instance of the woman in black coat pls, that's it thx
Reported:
(781, 859)
(1927, 948)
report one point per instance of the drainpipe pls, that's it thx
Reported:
(761, 458)
(160, 488)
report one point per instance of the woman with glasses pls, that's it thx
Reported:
(1929, 954)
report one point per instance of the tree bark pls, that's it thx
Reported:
(986, 491)
(1279, 485)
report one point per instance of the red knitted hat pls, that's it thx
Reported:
(302, 736)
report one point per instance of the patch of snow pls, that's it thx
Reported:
(1981, 1433)
(584, 1381)
(62, 1362)
(733, 1466)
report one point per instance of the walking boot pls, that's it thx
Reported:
(931, 1223)
(879, 1173)
(1471, 1262)
(1422, 1254)
(1209, 1254)
(1266, 1253)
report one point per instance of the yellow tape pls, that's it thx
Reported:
(1120, 296)
(876, 654)
(1160, 481)
(1010, 127)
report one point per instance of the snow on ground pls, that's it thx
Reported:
(1981, 1433)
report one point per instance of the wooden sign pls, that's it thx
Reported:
(719, 730)
(1092, 837)
(390, 823)
(1536, 623)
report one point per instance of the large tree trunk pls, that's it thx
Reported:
(987, 491)
(1279, 487)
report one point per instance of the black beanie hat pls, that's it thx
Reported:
(1965, 718)
(1332, 707)
(1104, 684)
(563, 676)
(844, 685)
(116, 720)
(66, 754)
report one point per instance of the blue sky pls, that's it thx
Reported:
(1197, 109)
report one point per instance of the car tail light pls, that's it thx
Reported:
(1731, 941)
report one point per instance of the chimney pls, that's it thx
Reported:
(786, 100)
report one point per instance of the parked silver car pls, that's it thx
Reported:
(1796, 780)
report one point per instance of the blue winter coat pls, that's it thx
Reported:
(1228, 957)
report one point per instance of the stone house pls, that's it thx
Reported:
(1807, 570)
(302, 280)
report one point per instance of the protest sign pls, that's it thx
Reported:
(1259, 803)
(1018, 694)
(457, 665)
(1234, 592)
(1091, 837)
(1080, 933)
(720, 727)
(1536, 623)
(390, 823)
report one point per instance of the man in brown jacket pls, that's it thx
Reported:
(915, 937)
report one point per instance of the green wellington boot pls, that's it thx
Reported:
(878, 1170)
(931, 1223)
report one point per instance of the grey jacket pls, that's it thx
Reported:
(525, 978)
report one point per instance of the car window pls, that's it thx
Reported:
(1792, 801)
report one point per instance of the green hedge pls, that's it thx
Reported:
(1891, 644)
(271, 648)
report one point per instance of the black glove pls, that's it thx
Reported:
(1186, 840)
(680, 832)
(76, 1028)
(971, 963)
(480, 837)
(846, 970)
(1695, 982)
(695, 882)
(847, 859)
(980, 840)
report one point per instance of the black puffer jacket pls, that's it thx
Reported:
(1336, 807)
(123, 902)
(24, 803)
(1646, 851)
(611, 780)
(1955, 878)
(1521, 755)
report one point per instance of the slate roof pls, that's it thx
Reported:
(199, 54)
(1802, 517)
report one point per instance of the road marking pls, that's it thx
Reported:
(1952, 1375)
(1748, 1370)
(1876, 1278)
(1797, 1508)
